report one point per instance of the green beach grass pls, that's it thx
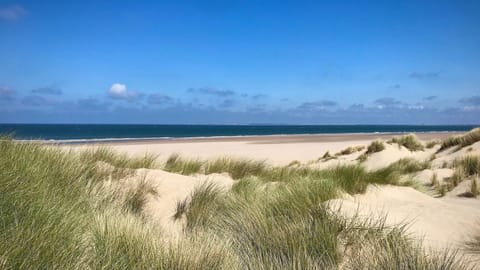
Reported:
(57, 214)
(467, 139)
(410, 141)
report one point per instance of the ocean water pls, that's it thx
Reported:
(74, 132)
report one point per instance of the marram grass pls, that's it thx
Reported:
(351, 178)
(409, 141)
(55, 215)
(50, 217)
(467, 139)
(469, 164)
(288, 226)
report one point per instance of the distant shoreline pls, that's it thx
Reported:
(87, 134)
(275, 138)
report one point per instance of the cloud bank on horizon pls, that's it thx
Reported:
(240, 63)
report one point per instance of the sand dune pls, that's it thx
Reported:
(441, 222)
(445, 222)
(172, 188)
(392, 153)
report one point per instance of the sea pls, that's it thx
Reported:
(114, 132)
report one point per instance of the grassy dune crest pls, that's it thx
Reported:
(373, 147)
(467, 139)
(410, 141)
(350, 178)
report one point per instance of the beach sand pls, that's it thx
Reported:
(279, 150)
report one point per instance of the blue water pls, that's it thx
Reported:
(104, 132)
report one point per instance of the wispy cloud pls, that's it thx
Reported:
(92, 104)
(258, 108)
(356, 107)
(211, 91)
(119, 91)
(387, 102)
(7, 94)
(35, 101)
(47, 91)
(424, 75)
(384, 111)
(316, 105)
(12, 13)
(227, 103)
(473, 100)
(259, 96)
(159, 99)
(429, 98)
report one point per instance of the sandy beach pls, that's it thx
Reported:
(279, 150)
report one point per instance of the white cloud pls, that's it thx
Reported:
(12, 13)
(120, 91)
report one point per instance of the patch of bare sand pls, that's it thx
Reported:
(425, 177)
(441, 222)
(172, 188)
(394, 152)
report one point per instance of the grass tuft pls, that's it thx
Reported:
(362, 158)
(327, 156)
(464, 168)
(137, 196)
(350, 150)
(469, 163)
(374, 147)
(442, 190)
(199, 208)
(474, 187)
(457, 177)
(109, 163)
(409, 141)
(294, 163)
(117, 159)
(472, 246)
(180, 209)
(408, 165)
(237, 168)
(434, 180)
(444, 164)
(461, 141)
(176, 164)
(432, 143)
(392, 250)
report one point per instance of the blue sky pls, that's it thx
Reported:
(240, 62)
